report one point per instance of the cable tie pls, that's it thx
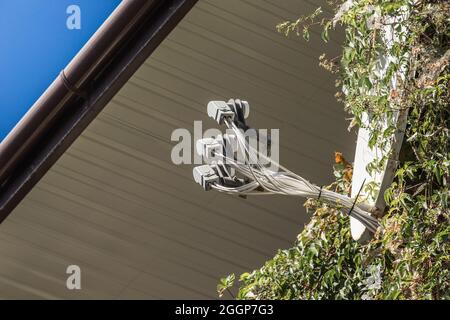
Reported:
(356, 198)
(320, 193)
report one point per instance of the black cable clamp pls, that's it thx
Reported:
(237, 107)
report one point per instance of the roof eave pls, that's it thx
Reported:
(112, 55)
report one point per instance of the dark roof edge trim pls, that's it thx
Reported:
(112, 55)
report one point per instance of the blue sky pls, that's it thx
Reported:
(35, 45)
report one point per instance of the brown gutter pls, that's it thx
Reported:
(77, 74)
(84, 87)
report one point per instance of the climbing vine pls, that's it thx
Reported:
(396, 58)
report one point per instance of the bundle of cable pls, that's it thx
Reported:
(248, 176)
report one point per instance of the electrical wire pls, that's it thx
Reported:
(283, 181)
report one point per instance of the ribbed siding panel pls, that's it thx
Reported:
(136, 224)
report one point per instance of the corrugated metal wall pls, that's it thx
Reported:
(136, 224)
